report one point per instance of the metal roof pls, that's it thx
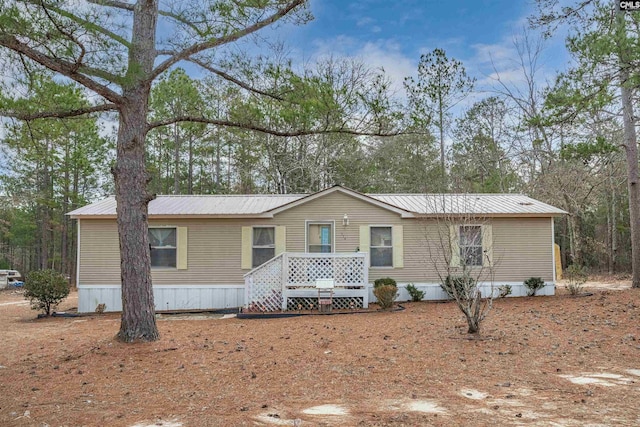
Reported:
(216, 205)
(260, 205)
(464, 204)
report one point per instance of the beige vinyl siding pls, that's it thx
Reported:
(332, 207)
(521, 249)
(522, 246)
(99, 252)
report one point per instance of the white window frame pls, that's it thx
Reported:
(307, 223)
(372, 247)
(463, 261)
(165, 267)
(253, 246)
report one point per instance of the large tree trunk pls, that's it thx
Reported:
(631, 150)
(190, 167)
(443, 172)
(131, 179)
(64, 234)
(138, 314)
(176, 159)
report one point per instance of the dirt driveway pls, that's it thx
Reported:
(541, 361)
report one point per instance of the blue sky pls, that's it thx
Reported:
(393, 35)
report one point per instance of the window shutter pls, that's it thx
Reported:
(247, 236)
(182, 248)
(398, 246)
(281, 239)
(487, 244)
(454, 237)
(365, 239)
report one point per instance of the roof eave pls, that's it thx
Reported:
(494, 215)
(180, 216)
(337, 188)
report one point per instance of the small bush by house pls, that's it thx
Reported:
(386, 295)
(386, 291)
(384, 281)
(415, 293)
(45, 289)
(504, 291)
(533, 285)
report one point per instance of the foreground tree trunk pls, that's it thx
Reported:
(131, 179)
(138, 313)
(630, 148)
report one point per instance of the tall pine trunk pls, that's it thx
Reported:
(176, 159)
(630, 147)
(131, 179)
(138, 313)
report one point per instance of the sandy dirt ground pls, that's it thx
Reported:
(540, 361)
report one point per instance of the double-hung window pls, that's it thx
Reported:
(471, 245)
(264, 245)
(162, 243)
(381, 250)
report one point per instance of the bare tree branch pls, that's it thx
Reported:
(59, 114)
(64, 67)
(113, 3)
(219, 41)
(263, 129)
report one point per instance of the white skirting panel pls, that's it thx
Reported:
(166, 297)
(207, 297)
(433, 291)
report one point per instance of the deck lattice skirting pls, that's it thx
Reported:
(287, 282)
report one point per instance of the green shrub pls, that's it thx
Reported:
(384, 281)
(415, 293)
(459, 287)
(45, 289)
(576, 278)
(533, 285)
(504, 290)
(386, 295)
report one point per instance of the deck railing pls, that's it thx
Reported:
(293, 275)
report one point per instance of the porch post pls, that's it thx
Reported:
(365, 274)
(248, 282)
(284, 279)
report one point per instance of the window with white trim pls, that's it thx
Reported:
(263, 246)
(162, 243)
(471, 245)
(320, 237)
(381, 247)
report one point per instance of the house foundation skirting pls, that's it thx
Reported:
(207, 297)
(433, 291)
(166, 297)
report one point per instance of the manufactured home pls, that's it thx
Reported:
(269, 252)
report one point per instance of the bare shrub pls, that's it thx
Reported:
(459, 244)
(576, 278)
